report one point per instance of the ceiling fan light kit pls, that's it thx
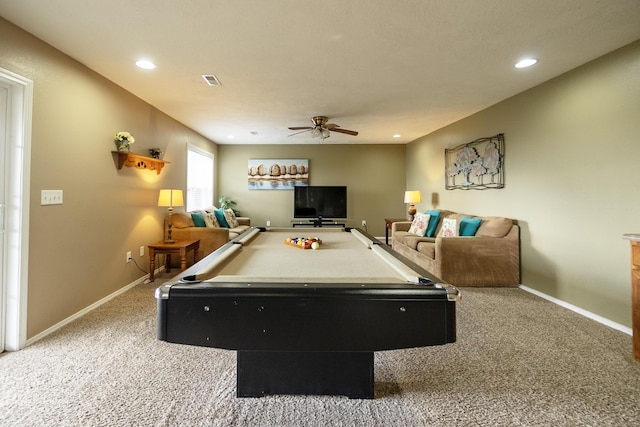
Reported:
(321, 128)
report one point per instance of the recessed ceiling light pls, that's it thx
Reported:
(527, 62)
(147, 65)
(230, 136)
(397, 135)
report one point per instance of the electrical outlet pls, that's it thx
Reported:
(129, 256)
(141, 250)
(364, 222)
(268, 223)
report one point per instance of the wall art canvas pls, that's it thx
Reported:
(477, 165)
(277, 174)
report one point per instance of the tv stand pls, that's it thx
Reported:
(316, 222)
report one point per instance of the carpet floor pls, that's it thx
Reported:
(519, 361)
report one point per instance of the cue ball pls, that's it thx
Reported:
(315, 245)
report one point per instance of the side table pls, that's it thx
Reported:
(179, 247)
(388, 224)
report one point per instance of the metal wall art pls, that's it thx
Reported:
(277, 174)
(477, 165)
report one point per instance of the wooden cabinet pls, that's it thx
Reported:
(635, 291)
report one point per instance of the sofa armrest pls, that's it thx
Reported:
(480, 260)
(400, 226)
(244, 220)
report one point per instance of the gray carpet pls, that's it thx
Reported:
(519, 361)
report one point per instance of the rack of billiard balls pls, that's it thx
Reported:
(304, 242)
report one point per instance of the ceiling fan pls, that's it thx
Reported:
(321, 128)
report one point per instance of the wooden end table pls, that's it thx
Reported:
(388, 224)
(179, 247)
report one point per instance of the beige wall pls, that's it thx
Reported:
(77, 250)
(374, 176)
(572, 179)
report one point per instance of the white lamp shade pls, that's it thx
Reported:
(412, 196)
(170, 198)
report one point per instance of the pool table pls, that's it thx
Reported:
(306, 321)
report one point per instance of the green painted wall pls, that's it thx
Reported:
(374, 176)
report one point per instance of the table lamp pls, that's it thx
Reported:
(412, 197)
(170, 198)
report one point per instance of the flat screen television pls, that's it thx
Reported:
(318, 202)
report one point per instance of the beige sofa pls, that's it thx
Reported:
(211, 238)
(489, 258)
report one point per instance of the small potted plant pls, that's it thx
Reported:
(124, 140)
(227, 203)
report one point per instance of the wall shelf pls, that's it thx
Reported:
(132, 160)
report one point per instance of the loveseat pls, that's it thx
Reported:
(490, 256)
(208, 226)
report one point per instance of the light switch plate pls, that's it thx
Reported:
(50, 197)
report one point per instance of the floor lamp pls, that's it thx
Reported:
(170, 198)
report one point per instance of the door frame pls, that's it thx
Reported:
(17, 178)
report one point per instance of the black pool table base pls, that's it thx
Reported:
(263, 373)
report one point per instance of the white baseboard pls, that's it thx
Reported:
(88, 309)
(579, 310)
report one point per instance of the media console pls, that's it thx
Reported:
(316, 222)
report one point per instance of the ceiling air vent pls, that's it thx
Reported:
(211, 80)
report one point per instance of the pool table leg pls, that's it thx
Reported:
(306, 373)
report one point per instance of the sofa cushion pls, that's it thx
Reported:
(493, 226)
(449, 227)
(469, 226)
(427, 248)
(443, 214)
(181, 220)
(411, 240)
(198, 219)
(236, 231)
(230, 216)
(434, 219)
(219, 213)
(419, 224)
(210, 220)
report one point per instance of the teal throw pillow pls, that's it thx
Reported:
(469, 226)
(198, 219)
(434, 219)
(219, 213)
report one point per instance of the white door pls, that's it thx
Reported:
(16, 105)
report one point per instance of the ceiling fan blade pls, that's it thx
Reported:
(300, 127)
(331, 126)
(347, 131)
(305, 130)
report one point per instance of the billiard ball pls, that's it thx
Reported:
(315, 245)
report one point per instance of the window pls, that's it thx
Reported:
(199, 179)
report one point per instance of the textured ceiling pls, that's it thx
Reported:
(381, 67)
